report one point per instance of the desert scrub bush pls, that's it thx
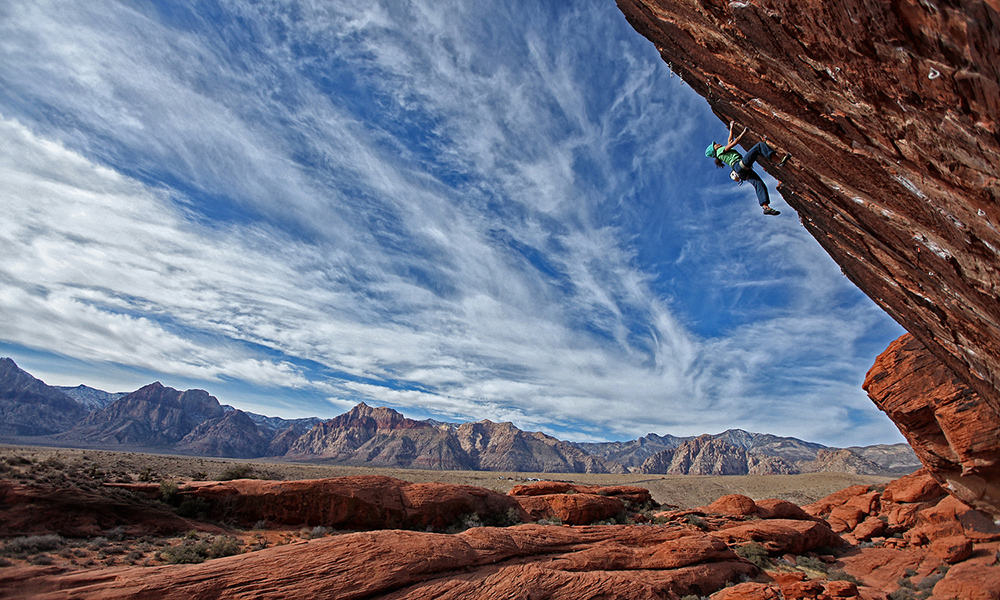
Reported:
(318, 532)
(755, 553)
(810, 562)
(5, 563)
(928, 583)
(169, 493)
(97, 543)
(186, 553)
(42, 560)
(236, 472)
(223, 546)
(902, 594)
(696, 521)
(32, 544)
(467, 521)
(146, 475)
(842, 576)
(192, 508)
(508, 518)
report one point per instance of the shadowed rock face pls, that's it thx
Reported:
(29, 407)
(953, 432)
(892, 111)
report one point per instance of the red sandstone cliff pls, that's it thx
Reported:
(892, 110)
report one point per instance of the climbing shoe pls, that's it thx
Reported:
(784, 159)
(771, 211)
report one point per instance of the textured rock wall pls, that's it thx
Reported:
(952, 431)
(892, 110)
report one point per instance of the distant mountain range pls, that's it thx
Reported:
(161, 419)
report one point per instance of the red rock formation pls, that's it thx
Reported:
(892, 110)
(734, 505)
(774, 508)
(571, 509)
(36, 510)
(626, 493)
(359, 502)
(953, 432)
(782, 535)
(635, 562)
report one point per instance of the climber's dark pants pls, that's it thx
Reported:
(747, 174)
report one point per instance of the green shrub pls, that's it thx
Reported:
(901, 594)
(755, 553)
(511, 517)
(236, 472)
(186, 554)
(810, 562)
(33, 544)
(169, 493)
(928, 583)
(223, 546)
(696, 521)
(192, 508)
(147, 475)
(318, 532)
(842, 576)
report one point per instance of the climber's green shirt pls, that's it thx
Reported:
(730, 157)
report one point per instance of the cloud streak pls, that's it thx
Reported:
(446, 207)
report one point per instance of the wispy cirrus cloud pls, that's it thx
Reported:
(447, 207)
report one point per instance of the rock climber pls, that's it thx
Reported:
(742, 166)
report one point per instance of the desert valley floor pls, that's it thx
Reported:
(103, 524)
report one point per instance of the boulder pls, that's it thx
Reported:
(845, 518)
(781, 509)
(782, 535)
(869, 528)
(750, 590)
(919, 486)
(976, 579)
(952, 549)
(809, 588)
(841, 589)
(732, 505)
(571, 509)
(823, 506)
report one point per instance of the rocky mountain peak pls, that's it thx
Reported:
(29, 407)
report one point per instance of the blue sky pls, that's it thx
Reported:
(462, 210)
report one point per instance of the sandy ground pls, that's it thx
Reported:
(684, 491)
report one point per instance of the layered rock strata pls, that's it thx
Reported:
(892, 111)
(952, 430)
(911, 534)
